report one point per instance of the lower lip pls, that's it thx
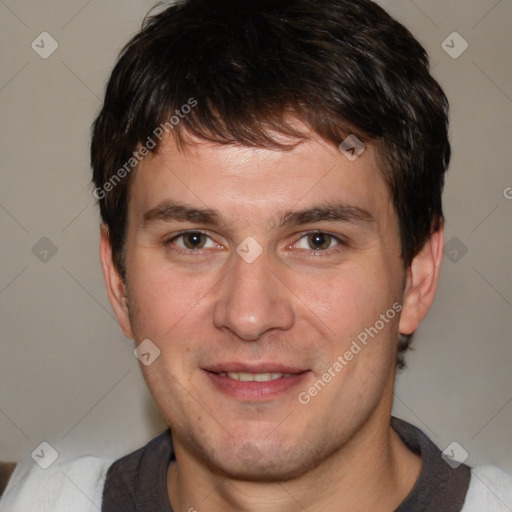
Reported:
(255, 391)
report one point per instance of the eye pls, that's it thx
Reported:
(317, 241)
(192, 240)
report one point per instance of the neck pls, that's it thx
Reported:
(373, 471)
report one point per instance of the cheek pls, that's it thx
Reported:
(164, 301)
(346, 300)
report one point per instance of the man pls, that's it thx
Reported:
(269, 176)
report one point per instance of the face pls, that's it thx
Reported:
(257, 274)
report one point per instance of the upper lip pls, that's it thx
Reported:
(232, 367)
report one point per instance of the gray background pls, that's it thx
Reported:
(67, 374)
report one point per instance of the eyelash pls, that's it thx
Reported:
(316, 253)
(168, 242)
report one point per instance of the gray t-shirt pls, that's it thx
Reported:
(138, 482)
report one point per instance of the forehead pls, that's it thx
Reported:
(248, 184)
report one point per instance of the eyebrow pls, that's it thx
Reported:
(332, 212)
(170, 210)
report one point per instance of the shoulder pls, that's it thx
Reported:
(490, 490)
(140, 478)
(66, 485)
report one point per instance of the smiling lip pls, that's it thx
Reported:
(261, 382)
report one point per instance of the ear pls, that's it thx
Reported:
(116, 288)
(421, 282)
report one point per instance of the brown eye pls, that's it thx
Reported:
(319, 241)
(191, 242)
(194, 240)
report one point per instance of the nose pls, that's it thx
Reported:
(253, 300)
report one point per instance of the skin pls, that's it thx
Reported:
(296, 304)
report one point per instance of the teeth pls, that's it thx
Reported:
(254, 377)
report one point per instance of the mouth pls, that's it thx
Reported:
(254, 377)
(254, 383)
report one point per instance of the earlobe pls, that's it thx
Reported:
(116, 288)
(421, 284)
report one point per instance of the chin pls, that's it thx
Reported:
(275, 470)
(248, 463)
